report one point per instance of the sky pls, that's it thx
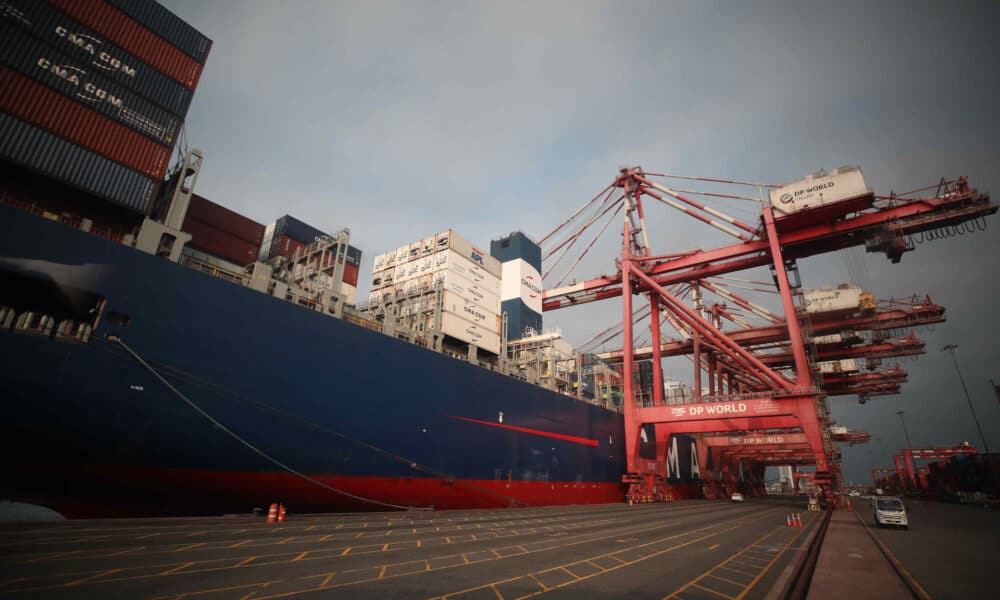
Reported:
(402, 119)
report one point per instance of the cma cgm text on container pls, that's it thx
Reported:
(31, 58)
(84, 44)
(124, 31)
(31, 101)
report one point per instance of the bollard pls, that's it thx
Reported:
(281, 513)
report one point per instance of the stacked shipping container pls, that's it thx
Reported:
(218, 231)
(289, 236)
(95, 93)
(469, 277)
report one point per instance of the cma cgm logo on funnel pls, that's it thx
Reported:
(528, 281)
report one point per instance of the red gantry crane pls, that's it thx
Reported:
(746, 390)
(906, 467)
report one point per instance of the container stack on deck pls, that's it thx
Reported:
(289, 237)
(93, 94)
(219, 236)
(406, 278)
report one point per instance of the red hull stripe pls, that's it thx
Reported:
(558, 436)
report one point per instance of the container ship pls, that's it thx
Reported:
(164, 355)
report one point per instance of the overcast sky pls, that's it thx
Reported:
(399, 120)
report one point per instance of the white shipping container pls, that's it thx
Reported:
(449, 240)
(399, 275)
(468, 290)
(412, 269)
(819, 189)
(844, 299)
(470, 311)
(349, 291)
(847, 365)
(450, 260)
(425, 266)
(470, 333)
(827, 339)
(415, 249)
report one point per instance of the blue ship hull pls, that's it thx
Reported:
(369, 420)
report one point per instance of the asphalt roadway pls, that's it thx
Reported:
(950, 549)
(688, 549)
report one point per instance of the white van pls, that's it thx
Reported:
(889, 510)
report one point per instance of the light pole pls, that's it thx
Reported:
(909, 446)
(953, 348)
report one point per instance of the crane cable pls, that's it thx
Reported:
(117, 340)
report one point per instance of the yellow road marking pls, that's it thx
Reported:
(301, 556)
(326, 537)
(92, 577)
(710, 591)
(714, 546)
(346, 550)
(533, 578)
(714, 576)
(614, 568)
(125, 551)
(738, 571)
(238, 544)
(497, 592)
(245, 561)
(190, 546)
(264, 584)
(381, 572)
(175, 569)
(777, 555)
(286, 540)
(53, 556)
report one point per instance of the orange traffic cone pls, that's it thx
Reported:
(798, 520)
(281, 513)
(272, 513)
(849, 508)
(788, 520)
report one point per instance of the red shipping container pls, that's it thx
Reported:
(284, 246)
(224, 219)
(133, 37)
(35, 103)
(351, 275)
(208, 239)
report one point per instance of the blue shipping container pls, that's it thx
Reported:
(37, 150)
(168, 26)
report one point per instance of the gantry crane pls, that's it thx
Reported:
(906, 467)
(746, 393)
